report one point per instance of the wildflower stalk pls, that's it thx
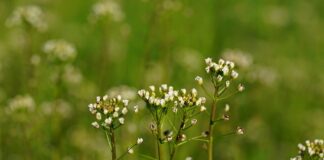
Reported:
(164, 99)
(113, 145)
(221, 75)
(159, 146)
(211, 127)
(109, 114)
(182, 124)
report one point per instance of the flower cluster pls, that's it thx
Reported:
(221, 73)
(166, 97)
(108, 8)
(109, 112)
(311, 150)
(60, 49)
(30, 15)
(221, 70)
(24, 102)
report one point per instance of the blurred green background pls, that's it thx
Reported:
(156, 42)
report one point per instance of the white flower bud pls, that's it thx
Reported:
(227, 107)
(98, 116)
(207, 69)
(139, 140)
(124, 110)
(175, 109)
(208, 61)
(234, 74)
(130, 151)
(202, 108)
(152, 88)
(231, 64)
(193, 121)
(240, 88)
(121, 120)
(164, 87)
(115, 114)
(227, 84)
(95, 124)
(199, 80)
(301, 147)
(108, 120)
(221, 62)
(239, 131)
(119, 98)
(184, 91)
(194, 92)
(219, 78)
(98, 98)
(216, 66)
(105, 97)
(125, 102)
(225, 70)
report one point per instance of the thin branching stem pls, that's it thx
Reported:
(113, 145)
(127, 151)
(108, 139)
(211, 126)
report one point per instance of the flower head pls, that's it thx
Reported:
(60, 49)
(310, 149)
(108, 8)
(30, 15)
(139, 140)
(108, 112)
(199, 80)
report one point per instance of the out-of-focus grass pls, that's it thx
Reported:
(149, 47)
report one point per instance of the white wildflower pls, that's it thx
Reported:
(95, 124)
(124, 110)
(108, 120)
(240, 87)
(139, 140)
(199, 80)
(202, 108)
(121, 120)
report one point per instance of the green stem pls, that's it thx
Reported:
(211, 128)
(128, 149)
(113, 145)
(159, 147)
(108, 140)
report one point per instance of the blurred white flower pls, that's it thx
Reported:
(241, 59)
(108, 111)
(21, 102)
(60, 49)
(108, 8)
(199, 80)
(139, 140)
(30, 15)
(35, 60)
(124, 91)
(130, 151)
